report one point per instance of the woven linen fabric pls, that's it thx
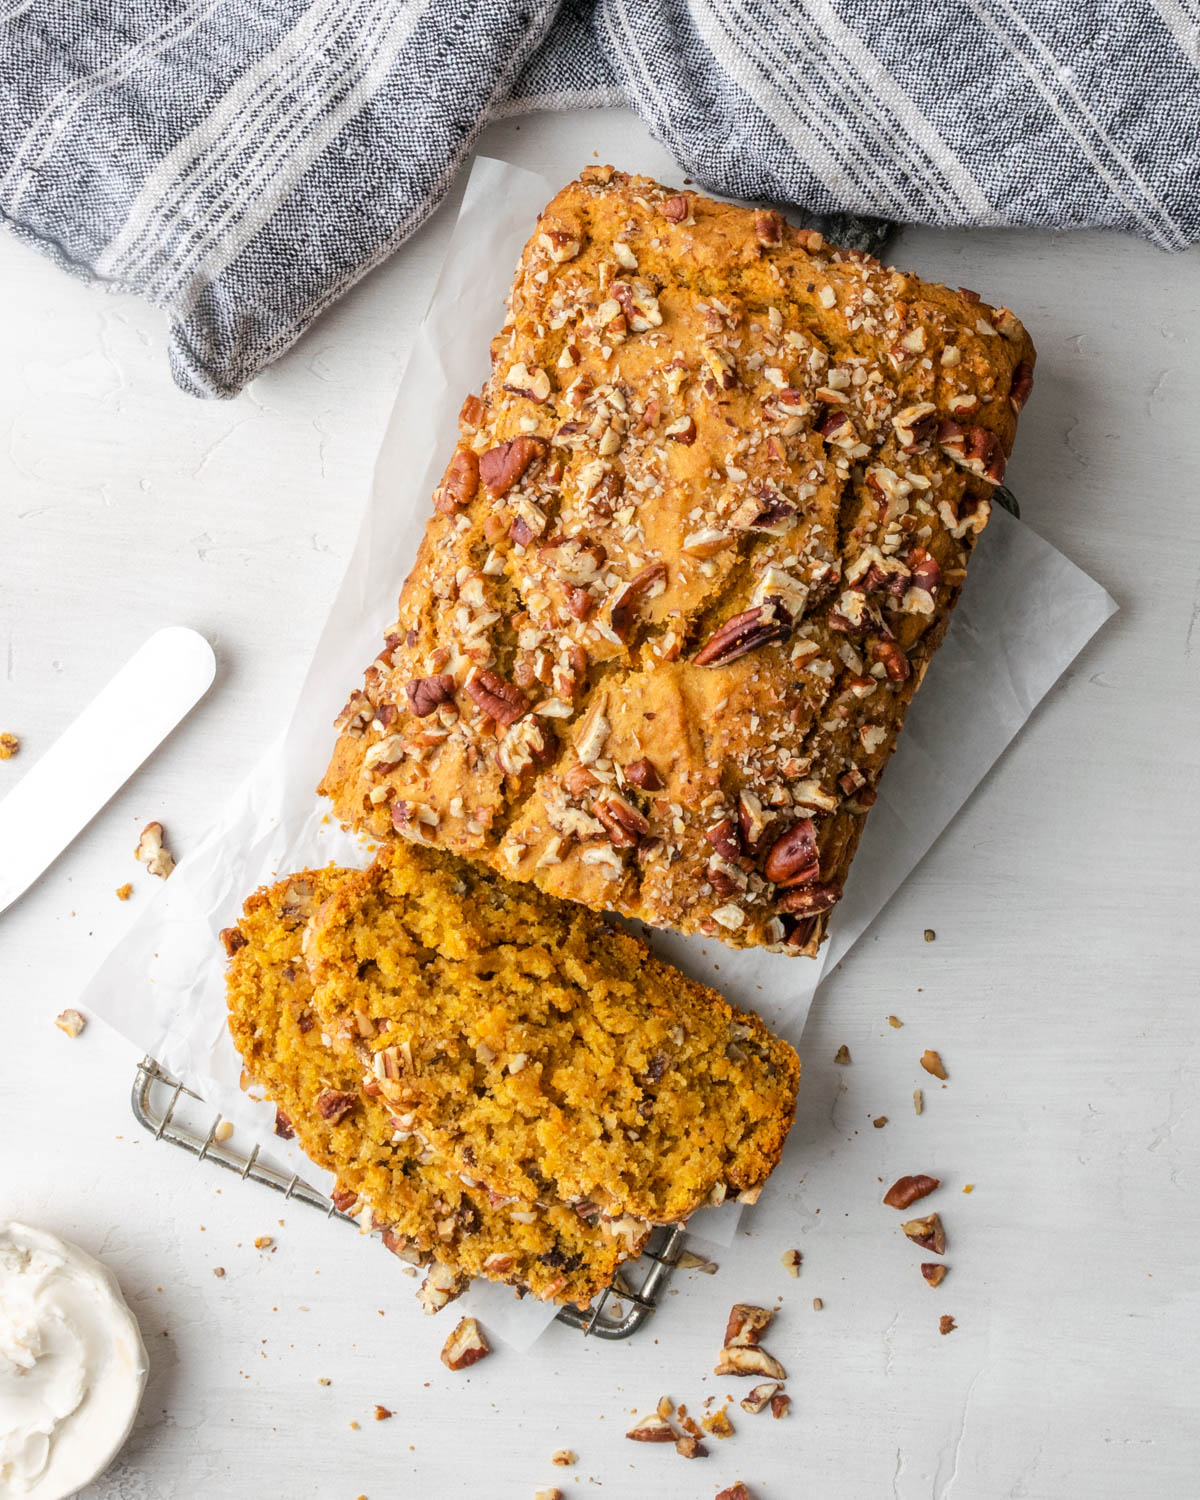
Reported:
(240, 163)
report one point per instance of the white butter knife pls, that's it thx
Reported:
(60, 795)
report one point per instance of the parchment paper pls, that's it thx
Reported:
(1025, 613)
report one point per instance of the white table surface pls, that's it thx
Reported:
(1061, 990)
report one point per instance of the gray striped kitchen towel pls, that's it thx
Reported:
(241, 162)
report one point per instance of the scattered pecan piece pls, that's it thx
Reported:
(426, 693)
(768, 228)
(382, 1413)
(690, 1447)
(467, 1345)
(746, 1325)
(502, 467)
(780, 1405)
(652, 1429)
(842, 1055)
(932, 1063)
(927, 1232)
(153, 853)
(1022, 385)
(745, 632)
(736, 1491)
(946, 1324)
(760, 1396)
(563, 1458)
(725, 837)
(333, 1105)
(793, 859)
(906, 1190)
(681, 430)
(641, 774)
(933, 1273)
(740, 1360)
(460, 483)
(625, 825)
(232, 938)
(625, 606)
(343, 1199)
(283, 1127)
(73, 1022)
(500, 700)
(792, 1260)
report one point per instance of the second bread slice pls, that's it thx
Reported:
(541, 1049)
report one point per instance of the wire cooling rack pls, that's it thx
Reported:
(174, 1113)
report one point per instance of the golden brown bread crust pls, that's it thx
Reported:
(689, 561)
(425, 1211)
(542, 1050)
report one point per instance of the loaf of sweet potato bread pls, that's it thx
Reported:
(387, 1175)
(700, 536)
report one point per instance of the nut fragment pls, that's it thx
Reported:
(382, 1413)
(933, 1273)
(563, 1457)
(283, 1126)
(222, 1131)
(334, 1105)
(791, 1262)
(71, 1021)
(930, 935)
(768, 228)
(946, 1324)
(793, 859)
(440, 1287)
(690, 1261)
(932, 1063)
(426, 693)
(817, 1304)
(551, 1494)
(745, 632)
(842, 1055)
(746, 1325)
(499, 699)
(153, 853)
(652, 1429)
(927, 1232)
(749, 1361)
(736, 1491)
(780, 1405)
(465, 1346)
(628, 601)
(690, 1447)
(906, 1190)
(676, 209)
(9, 746)
(760, 1396)
(641, 774)
(502, 467)
(624, 824)
(125, 891)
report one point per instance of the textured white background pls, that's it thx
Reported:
(1062, 989)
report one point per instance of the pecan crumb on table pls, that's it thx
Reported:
(946, 1324)
(153, 852)
(932, 1063)
(842, 1055)
(9, 746)
(73, 1022)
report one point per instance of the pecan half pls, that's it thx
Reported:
(907, 1190)
(809, 900)
(459, 483)
(501, 467)
(333, 1105)
(500, 700)
(625, 606)
(425, 693)
(624, 823)
(793, 860)
(927, 1232)
(744, 633)
(676, 209)
(746, 1325)
(641, 774)
(467, 1345)
(1022, 385)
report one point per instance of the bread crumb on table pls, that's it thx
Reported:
(932, 1062)
(263, 1242)
(563, 1458)
(9, 746)
(124, 891)
(895, 1021)
(930, 935)
(73, 1022)
(842, 1055)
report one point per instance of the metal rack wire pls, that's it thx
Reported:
(176, 1114)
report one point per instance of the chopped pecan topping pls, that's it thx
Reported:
(973, 448)
(467, 1345)
(809, 900)
(725, 839)
(638, 303)
(768, 228)
(927, 1232)
(676, 209)
(907, 1190)
(933, 1273)
(459, 483)
(471, 413)
(641, 774)
(793, 859)
(283, 1126)
(681, 430)
(746, 1325)
(530, 382)
(1022, 385)
(746, 632)
(426, 693)
(500, 700)
(333, 1105)
(926, 573)
(501, 467)
(343, 1199)
(625, 606)
(895, 663)
(624, 824)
